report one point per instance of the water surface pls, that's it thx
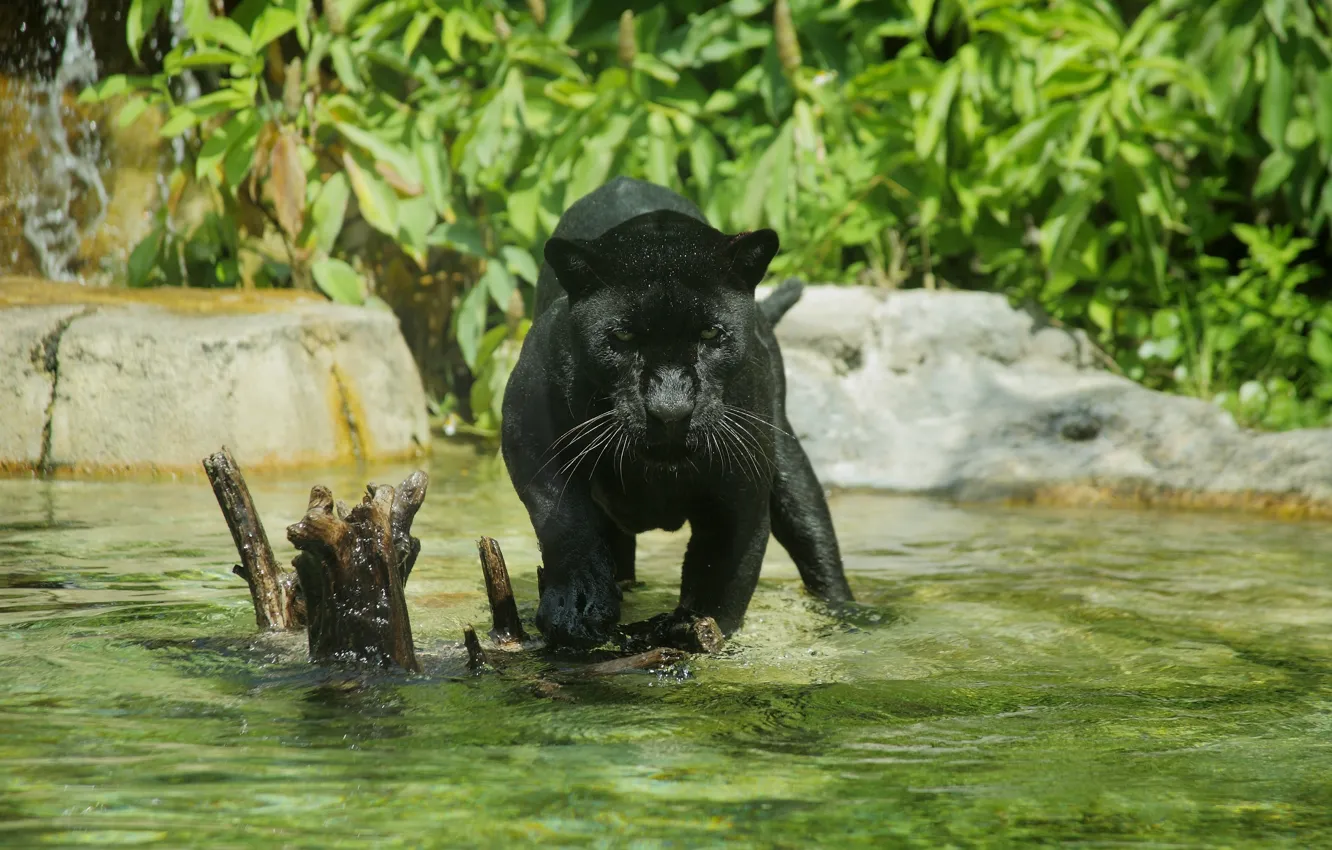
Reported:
(1099, 678)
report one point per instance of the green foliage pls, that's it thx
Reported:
(1156, 172)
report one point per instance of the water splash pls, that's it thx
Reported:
(70, 198)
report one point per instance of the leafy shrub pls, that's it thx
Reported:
(1155, 172)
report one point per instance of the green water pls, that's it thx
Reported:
(1019, 676)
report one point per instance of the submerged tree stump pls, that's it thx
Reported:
(353, 569)
(348, 588)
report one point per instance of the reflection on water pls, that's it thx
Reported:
(1015, 676)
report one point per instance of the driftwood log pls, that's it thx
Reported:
(348, 587)
(353, 569)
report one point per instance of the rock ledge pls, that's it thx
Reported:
(118, 386)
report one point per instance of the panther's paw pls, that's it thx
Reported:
(579, 615)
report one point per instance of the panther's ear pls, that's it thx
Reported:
(749, 255)
(575, 266)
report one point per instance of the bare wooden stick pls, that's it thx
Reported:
(353, 574)
(277, 601)
(476, 656)
(507, 629)
(662, 656)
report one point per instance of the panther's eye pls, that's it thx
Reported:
(623, 336)
(710, 333)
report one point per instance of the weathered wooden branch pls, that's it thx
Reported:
(662, 656)
(278, 603)
(508, 628)
(476, 656)
(678, 629)
(353, 569)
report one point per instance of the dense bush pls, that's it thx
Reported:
(1154, 172)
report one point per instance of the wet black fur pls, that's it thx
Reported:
(650, 392)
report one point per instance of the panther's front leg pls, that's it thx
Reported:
(580, 599)
(721, 566)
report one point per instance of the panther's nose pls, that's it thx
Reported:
(671, 409)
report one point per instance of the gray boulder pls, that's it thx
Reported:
(959, 394)
(126, 387)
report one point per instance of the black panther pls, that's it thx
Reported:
(649, 393)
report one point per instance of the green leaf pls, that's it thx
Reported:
(1060, 229)
(499, 283)
(1102, 314)
(1300, 133)
(181, 119)
(491, 341)
(655, 68)
(228, 33)
(704, 153)
(338, 281)
(920, 12)
(459, 236)
(1035, 133)
(273, 23)
(328, 212)
(1146, 22)
(416, 219)
(344, 66)
(175, 62)
(1274, 109)
(522, 206)
(215, 148)
(1088, 118)
(941, 101)
(112, 86)
(377, 200)
(1320, 348)
(436, 178)
(661, 168)
(519, 262)
(399, 158)
(767, 190)
(303, 10)
(1322, 108)
(598, 156)
(548, 58)
(140, 18)
(1275, 11)
(416, 30)
(143, 258)
(471, 323)
(240, 153)
(450, 37)
(1272, 173)
(131, 111)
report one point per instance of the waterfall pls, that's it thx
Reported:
(70, 199)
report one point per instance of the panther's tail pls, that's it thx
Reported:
(781, 299)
